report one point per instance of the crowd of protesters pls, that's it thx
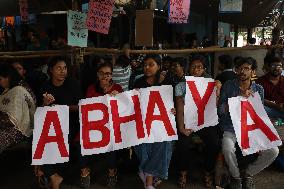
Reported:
(23, 90)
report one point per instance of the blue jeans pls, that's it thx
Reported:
(155, 158)
(272, 113)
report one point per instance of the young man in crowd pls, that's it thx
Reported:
(176, 72)
(242, 86)
(273, 85)
(226, 67)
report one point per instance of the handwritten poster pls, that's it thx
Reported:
(23, 4)
(99, 15)
(231, 6)
(77, 30)
(178, 11)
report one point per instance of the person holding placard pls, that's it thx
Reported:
(105, 85)
(209, 135)
(242, 86)
(62, 91)
(154, 157)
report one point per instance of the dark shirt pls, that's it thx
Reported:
(171, 79)
(36, 79)
(67, 94)
(135, 72)
(142, 83)
(272, 92)
(226, 76)
(232, 89)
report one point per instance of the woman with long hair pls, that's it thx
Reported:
(102, 86)
(209, 135)
(61, 90)
(154, 158)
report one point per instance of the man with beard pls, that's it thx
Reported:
(242, 86)
(273, 84)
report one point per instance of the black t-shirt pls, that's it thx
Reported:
(67, 94)
(173, 80)
(142, 83)
(226, 76)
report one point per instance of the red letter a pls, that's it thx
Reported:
(51, 117)
(200, 102)
(137, 117)
(95, 125)
(155, 98)
(246, 107)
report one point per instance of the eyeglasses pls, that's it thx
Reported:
(106, 74)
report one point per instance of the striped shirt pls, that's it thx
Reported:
(121, 76)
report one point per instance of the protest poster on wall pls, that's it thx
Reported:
(178, 11)
(50, 135)
(200, 109)
(99, 15)
(253, 128)
(23, 4)
(227, 6)
(77, 30)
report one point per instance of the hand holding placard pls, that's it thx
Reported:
(253, 128)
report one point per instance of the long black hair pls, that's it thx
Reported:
(8, 71)
(97, 82)
(158, 61)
